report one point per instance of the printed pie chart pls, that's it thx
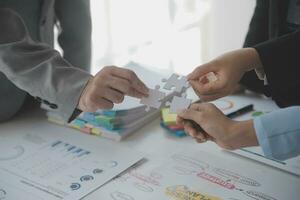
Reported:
(2, 194)
(12, 153)
(224, 104)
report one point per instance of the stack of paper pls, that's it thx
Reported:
(124, 118)
(114, 124)
(41, 161)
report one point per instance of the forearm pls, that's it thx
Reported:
(245, 59)
(257, 33)
(252, 59)
(278, 133)
(76, 29)
(38, 69)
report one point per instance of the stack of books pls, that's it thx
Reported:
(124, 118)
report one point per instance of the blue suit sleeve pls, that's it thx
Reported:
(278, 133)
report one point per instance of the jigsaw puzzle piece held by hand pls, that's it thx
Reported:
(178, 104)
(169, 83)
(209, 77)
(177, 82)
(154, 99)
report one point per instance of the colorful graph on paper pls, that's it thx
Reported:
(195, 175)
(42, 166)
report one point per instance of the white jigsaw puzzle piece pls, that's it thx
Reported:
(209, 77)
(178, 104)
(154, 99)
(177, 82)
(169, 83)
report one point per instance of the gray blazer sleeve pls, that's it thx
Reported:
(74, 18)
(37, 68)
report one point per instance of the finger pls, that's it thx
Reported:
(210, 138)
(124, 86)
(195, 132)
(200, 141)
(201, 136)
(197, 106)
(200, 94)
(203, 107)
(207, 88)
(179, 120)
(89, 107)
(197, 93)
(212, 97)
(119, 84)
(113, 95)
(188, 128)
(96, 103)
(135, 93)
(200, 71)
(104, 104)
(198, 135)
(129, 75)
(140, 87)
(191, 114)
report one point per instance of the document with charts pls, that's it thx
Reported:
(198, 175)
(57, 165)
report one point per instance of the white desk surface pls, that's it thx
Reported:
(154, 142)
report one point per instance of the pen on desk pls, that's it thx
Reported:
(240, 111)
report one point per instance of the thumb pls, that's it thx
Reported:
(192, 114)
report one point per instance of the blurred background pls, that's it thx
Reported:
(169, 35)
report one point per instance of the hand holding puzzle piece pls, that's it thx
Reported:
(156, 97)
(178, 103)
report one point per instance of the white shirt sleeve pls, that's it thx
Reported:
(260, 72)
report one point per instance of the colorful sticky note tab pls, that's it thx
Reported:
(79, 122)
(176, 127)
(75, 126)
(89, 116)
(168, 118)
(96, 131)
(86, 130)
(177, 133)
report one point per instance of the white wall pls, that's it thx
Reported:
(229, 24)
(142, 30)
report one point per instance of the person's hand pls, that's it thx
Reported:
(218, 128)
(109, 86)
(228, 69)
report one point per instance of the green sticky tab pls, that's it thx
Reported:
(104, 119)
(257, 113)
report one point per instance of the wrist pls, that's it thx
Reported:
(252, 59)
(81, 105)
(243, 134)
